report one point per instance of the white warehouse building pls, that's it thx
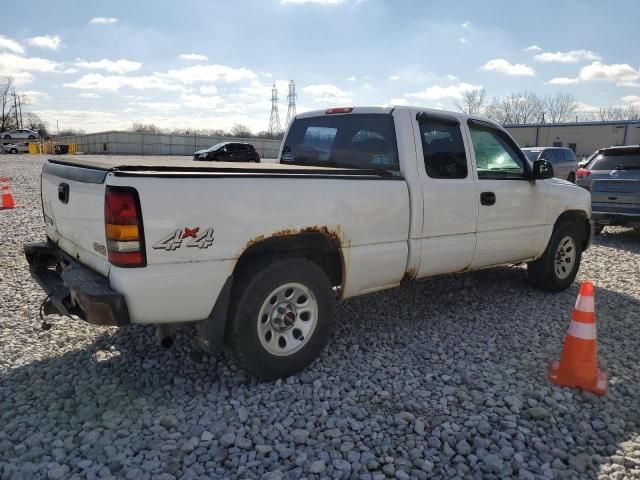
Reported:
(582, 137)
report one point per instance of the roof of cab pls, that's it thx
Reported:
(461, 117)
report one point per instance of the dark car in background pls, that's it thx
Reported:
(563, 160)
(229, 152)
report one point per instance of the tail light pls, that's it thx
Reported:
(123, 227)
(582, 173)
(339, 110)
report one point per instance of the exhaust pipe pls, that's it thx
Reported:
(164, 337)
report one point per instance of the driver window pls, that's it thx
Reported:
(496, 158)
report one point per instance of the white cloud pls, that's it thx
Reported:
(318, 2)
(465, 24)
(193, 100)
(394, 77)
(208, 89)
(209, 73)
(89, 95)
(113, 83)
(563, 81)
(617, 72)
(20, 67)
(462, 40)
(532, 48)
(632, 100)
(70, 70)
(437, 92)
(399, 101)
(11, 45)
(157, 105)
(504, 66)
(36, 96)
(194, 57)
(572, 56)
(49, 42)
(631, 84)
(112, 66)
(327, 93)
(103, 20)
(351, 79)
(451, 77)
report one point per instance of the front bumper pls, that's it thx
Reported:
(73, 289)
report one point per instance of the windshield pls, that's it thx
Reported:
(532, 155)
(216, 147)
(613, 160)
(362, 141)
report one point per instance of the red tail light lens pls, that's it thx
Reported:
(582, 173)
(123, 227)
(339, 110)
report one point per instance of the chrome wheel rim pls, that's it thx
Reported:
(565, 257)
(287, 319)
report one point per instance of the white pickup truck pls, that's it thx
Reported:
(362, 199)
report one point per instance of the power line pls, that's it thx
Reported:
(291, 98)
(274, 119)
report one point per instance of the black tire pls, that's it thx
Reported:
(31, 137)
(252, 288)
(7, 136)
(13, 150)
(598, 229)
(572, 177)
(543, 273)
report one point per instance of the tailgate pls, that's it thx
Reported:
(616, 192)
(73, 207)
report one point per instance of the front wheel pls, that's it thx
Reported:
(558, 266)
(281, 317)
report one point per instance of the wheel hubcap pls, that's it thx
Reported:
(565, 257)
(287, 319)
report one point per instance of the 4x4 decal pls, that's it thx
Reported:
(175, 239)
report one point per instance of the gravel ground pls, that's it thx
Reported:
(437, 379)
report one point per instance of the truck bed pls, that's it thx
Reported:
(127, 165)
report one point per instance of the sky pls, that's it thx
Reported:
(207, 64)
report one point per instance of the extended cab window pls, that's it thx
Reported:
(496, 156)
(364, 141)
(443, 149)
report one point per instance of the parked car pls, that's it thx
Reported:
(229, 152)
(20, 133)
(586, 160)
(363, 199)
(615, 202)
(563, 160)
(611, 163)
(15, 148)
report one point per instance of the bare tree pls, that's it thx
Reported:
(473, 101)
(632, 112)
(240, 130)
(559, 107)
(7, 111)
(516, 108)
(34, 122)
(145, 128)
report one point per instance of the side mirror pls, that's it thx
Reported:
(542, 170)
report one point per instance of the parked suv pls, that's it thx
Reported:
(229, 152)
(563, 160)
(610, 164)
(21, 133)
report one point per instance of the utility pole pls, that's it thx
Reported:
(291, 97)
(15, 108)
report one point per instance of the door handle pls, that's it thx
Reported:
(487, 198)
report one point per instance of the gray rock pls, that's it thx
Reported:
(538, 413)
(318, 466)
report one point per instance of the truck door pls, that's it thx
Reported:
(450, 196)
(512, 220)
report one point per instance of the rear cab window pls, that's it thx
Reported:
(443, 148)
(356, 141)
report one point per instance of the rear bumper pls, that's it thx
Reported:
(73, 289)
(612, 218)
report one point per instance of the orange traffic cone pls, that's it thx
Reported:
(7, 198)
(578, 365)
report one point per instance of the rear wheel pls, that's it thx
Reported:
(13, 150)
(281, 318)
(31, 137)
(558, 266)
(572, 177)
